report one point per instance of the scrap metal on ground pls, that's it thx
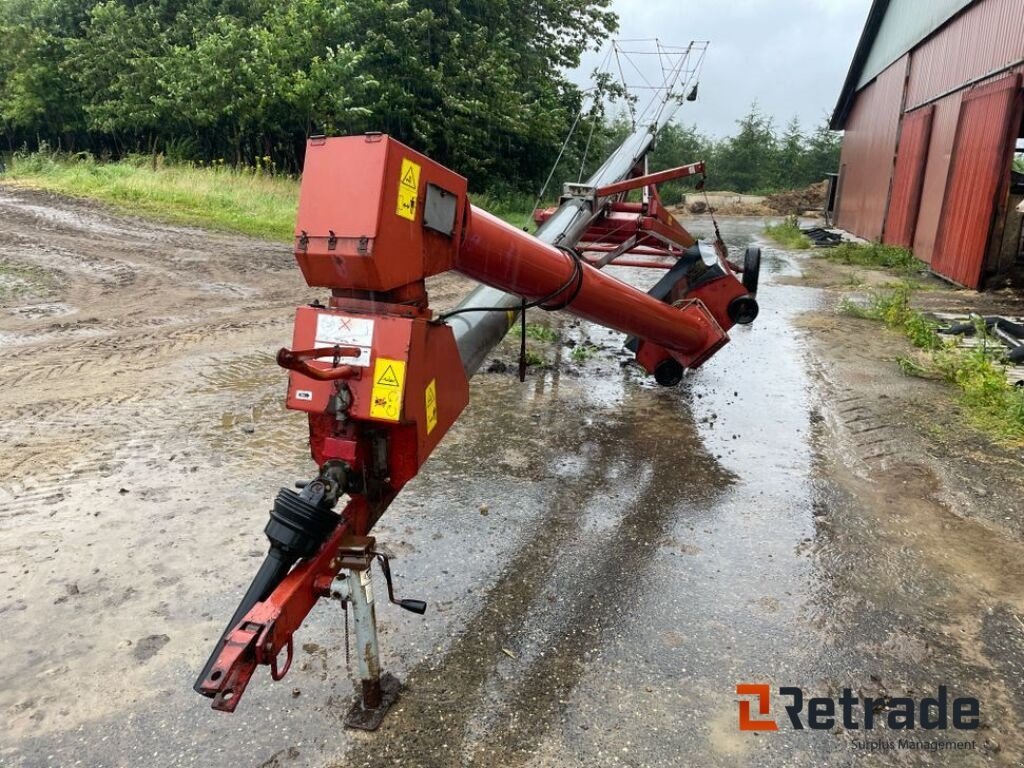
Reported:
(823, 238)
(1005, 333)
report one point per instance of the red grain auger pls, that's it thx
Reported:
(382, 377)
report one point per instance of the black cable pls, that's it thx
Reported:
(522, 342)
(577, 275)
(575, 278)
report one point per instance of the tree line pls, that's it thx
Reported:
(479, 85)
(757, 158)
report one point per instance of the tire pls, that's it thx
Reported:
(751, 268)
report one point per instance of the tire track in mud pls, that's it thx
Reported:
(908, 493)
(143, 417)
(122, 375)
(164, 345)
(873, 439)
(233, 414)
(113, 344)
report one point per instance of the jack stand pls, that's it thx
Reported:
(354, 587)
(378, 693)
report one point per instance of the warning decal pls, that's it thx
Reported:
(388, 378)
(340, 330)
(408, 185)
(430, 395)
(388, 386)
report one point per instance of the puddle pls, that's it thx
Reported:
(51, 309)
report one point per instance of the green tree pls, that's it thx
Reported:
(481, 86)
(678, 145)
(35, 96)
(822, 153)
(747, 161)
(118, 65)
(790, 170)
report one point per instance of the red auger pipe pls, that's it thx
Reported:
(506, 258)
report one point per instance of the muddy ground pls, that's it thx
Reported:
(604, 559)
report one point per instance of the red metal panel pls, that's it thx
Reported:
(940, 151)
(980, 156)
(908, 178)
(933, 188)
(869, 145)
(987, 36)
(360, 221)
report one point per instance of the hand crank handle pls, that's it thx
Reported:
(415, 606)
(296, 360)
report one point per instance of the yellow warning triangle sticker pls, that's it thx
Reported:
(409, 179)
(388, 378)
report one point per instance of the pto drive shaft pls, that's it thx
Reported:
(299, 523)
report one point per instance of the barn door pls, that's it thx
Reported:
(908, 178)
(980, 160)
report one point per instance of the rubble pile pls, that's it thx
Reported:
(794, 202)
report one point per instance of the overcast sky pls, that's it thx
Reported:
(790, 55)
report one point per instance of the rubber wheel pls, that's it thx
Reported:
(743, 310)
(751, 268)
(668, 372)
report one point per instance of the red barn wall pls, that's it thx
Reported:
(987, 36)
(869, 148)
(940, 150)
(982, 44)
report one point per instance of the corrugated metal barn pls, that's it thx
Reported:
(932, 114)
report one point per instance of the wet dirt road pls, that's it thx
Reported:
(604, 560)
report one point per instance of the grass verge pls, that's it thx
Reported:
(249, 201)
(515, 209)
(252, 201)
(787, 234)
(989, 400)
(873, 255)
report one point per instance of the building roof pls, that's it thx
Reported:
(892, 28)
(860, 56)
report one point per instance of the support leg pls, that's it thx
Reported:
(377, 693)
